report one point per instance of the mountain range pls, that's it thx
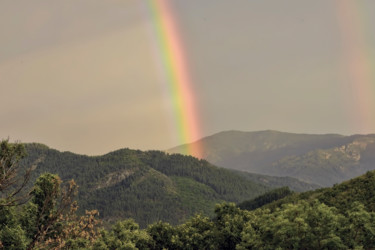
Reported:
(339, 217)
(317, 159)
(153, 185)
(150, 186)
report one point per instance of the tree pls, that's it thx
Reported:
(359, 227)
(325, 223)
(124, 235)
(162, 235)
(12, 182)
(56, 223)
(197, 233)
(12, 235)
(229, 223)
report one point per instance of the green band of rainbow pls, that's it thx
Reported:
(177, 80)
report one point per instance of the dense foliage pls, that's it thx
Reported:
(342, 217)
(43, 217)
(340, 196)
(279, 181)
(266, 198)
(301, 221)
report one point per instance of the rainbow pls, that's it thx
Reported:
(175, 75)
(357, 62)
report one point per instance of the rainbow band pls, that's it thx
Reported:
(358, 62)
(177, 80)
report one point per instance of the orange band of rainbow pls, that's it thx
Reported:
(177, 78)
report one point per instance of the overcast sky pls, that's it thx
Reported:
(81, 75)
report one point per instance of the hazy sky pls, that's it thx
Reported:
(81, 75)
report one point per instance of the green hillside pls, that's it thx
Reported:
(341, 196)
(317, 159)
(147, 186)
(341, 217)
(264, 199)
(275, 182)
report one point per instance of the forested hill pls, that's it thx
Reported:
(320, 159)
(341, 217)
(147, 186)
(341, 196)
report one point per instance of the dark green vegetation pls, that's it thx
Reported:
(146, 186)
(276, 181)
(317, 159)
(340, 196)
(273, 195)
(43, 217)
(341, 217)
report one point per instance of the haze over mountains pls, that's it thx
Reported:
(320, 159)
(71, 77)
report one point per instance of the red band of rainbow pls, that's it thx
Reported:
(357, 62)
(177, 77)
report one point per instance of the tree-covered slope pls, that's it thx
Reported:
(319, 159)
(277, 181)
(148, 186)
(341, 196)
(264, 199)
(341, 217)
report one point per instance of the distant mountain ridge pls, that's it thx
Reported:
(321, 159)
